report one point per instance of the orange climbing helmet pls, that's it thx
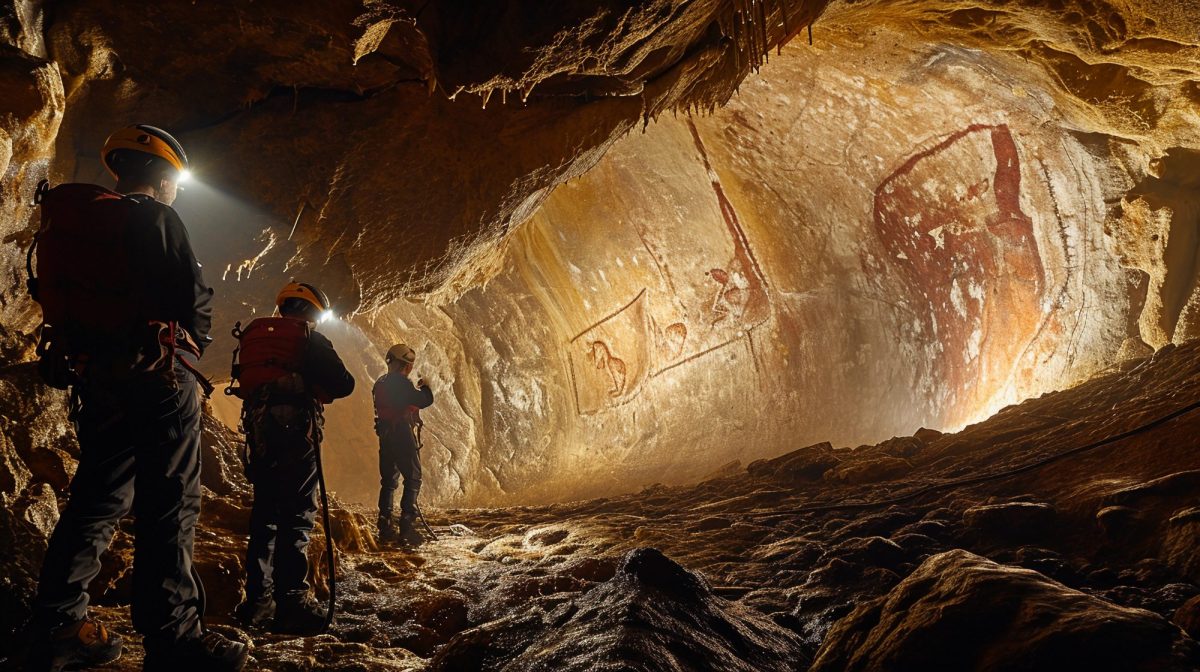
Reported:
(143, 139)
(304, 292)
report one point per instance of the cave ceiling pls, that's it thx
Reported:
(432, 129)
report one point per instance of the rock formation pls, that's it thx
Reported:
(640, 246)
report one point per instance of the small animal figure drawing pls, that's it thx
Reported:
(603, 358)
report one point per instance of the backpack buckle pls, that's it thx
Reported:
(39, 194)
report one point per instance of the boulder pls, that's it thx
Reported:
(959, 611)
(805, 464)
(905, 447)
(653, 615)
(1116, 522)
(1187, 617)
(1181, 545)
(869, 470)
(1012, 519)
(1180, 483)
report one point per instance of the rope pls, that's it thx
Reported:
(421, 444)
(996, 476)
(329, 560)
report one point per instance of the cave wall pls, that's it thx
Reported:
(382, 149)
(877, 233)
(934, 210)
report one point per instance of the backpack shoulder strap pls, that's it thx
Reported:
(31, 283)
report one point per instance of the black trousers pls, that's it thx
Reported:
(399, 457)
(139, 449)
(283, 471)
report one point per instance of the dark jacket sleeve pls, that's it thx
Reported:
(324, 369)
(173, 277)
(405, 393)
(422, 397)
(188, 289)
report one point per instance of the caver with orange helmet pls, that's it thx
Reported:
(125, 315)
(146, 159)
(286, 371)
(398, 404)
(303, 300)
(134, 146)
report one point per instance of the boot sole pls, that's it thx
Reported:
(76, 664)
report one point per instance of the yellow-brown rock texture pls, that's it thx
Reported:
(665, 263)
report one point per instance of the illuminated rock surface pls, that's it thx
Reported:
(780, 555)
(622, 279)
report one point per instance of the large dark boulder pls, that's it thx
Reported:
(959, 611)
(653, 615)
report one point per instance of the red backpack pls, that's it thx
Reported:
(269, 348)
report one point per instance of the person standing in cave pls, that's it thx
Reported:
(126, 315)
(398, 405)
(287, 372)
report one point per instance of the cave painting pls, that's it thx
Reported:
(950, 220)
(673, 341)
(732, 297)
(713, 295)
(604, 360)
(610, 358)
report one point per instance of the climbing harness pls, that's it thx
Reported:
(995, 476)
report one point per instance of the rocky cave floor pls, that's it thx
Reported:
(1087, 562)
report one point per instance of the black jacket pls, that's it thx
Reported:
(175, 287)
(394, 393)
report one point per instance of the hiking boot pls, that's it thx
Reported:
(209, 651)
(299, 616)
(409, 534)
(79, 645)
(255, 613)
(387, 530)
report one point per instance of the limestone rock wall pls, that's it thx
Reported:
(878, 233)
(934, 210)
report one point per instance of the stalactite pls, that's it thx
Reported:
(645, 111)
(751, 35)
(783, 16)
(766, 38)
(737, 47)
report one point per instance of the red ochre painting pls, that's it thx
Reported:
(951, 223)
(652, 334)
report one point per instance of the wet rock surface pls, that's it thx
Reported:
(758, 574)
(958, 611)
(934, 210)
